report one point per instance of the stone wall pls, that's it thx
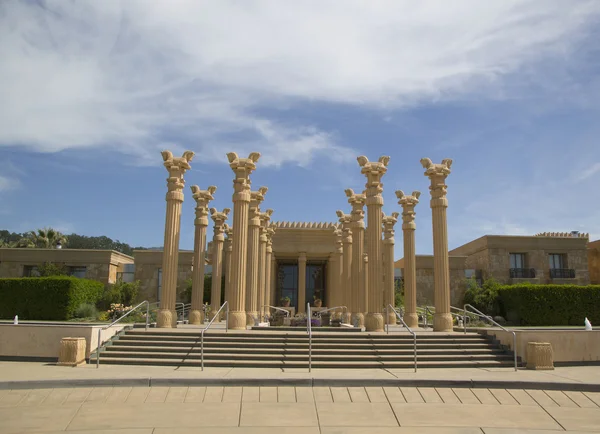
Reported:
(147, 264)
(593, 253)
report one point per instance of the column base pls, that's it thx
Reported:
(358, 319)
(346, 318)
(174, 318)
(411, 320)
(442, 322)
(196, 317)
(250, 318)
(164, 319)
(391, 318)
(237, 320)
(374, 322)
(214, 312)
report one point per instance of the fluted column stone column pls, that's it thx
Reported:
(346, 281)
(338, 269)
(202, 198)
(217, 258)
(252, 271)
(374, 171)
(357, 225)
(388, 262)
(242, 168)
(366, 272)
(227, 248)
(176, 166)
(268, 270)
(265, 218)
(409, 226)
(437, 174)
(273, 290)
(302, 283)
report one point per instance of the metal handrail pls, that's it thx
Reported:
(278, 308)
(489, 318)
(345, 309)
(431, 310)
(407, 328)
(208, 326)
(116, 321)
(309, 331)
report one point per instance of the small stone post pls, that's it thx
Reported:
(202, 198)
(242, 167)
(374, 171)
(72, 352)
(252, 271)
(217, 255)
(409, 226)
(265, 217)
(345, 292)
(357, 225)
(389, 296)
(176, 166)
(437, 173)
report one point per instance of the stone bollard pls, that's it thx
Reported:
(72, 352)
(539, 356)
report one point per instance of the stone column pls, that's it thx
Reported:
(268, 271)
(357, 225)
(437, 173)
(345, 293)
(273, 289)
(265, 217)
(374, 171)
(227, 246)
(176, 166)
(366, 276)
(252, 270)
(302, 283)
(217, 258)
(388, 263)
(202, 198)
(409, 226)
(242, 167)
(337, 269)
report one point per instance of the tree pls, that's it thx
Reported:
(46, 238)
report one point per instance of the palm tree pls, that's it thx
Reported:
(46, 238)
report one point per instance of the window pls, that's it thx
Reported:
(159, 289)
(77, 272)
(557, 261)
(31, 271)
(517, 260)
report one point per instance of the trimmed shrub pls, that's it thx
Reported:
(86, 310)
(119, 293)
(46, 298)
(549, 305)
(484, 297)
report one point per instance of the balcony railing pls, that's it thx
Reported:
(562, 273)
(522, 273)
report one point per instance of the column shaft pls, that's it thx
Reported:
(252, 274)
(410, 279)
(302, 283)
(346, 288)
(273, 289)
(267, 296)
(196, 312)
(262, 255)
(217, 275)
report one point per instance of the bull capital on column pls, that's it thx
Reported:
(408, 203)
(202, 198)
(243, 168)
(374, 171)
(388, 223)
(176, 166)
(437, 174)
(219, 219)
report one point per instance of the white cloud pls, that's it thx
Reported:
(588, 172)
(135, 74)
(7, 183)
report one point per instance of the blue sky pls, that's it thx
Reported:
(93, 91)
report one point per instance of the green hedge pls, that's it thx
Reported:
(46, 298)
(549, 305)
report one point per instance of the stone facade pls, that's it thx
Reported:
(147, 266)
(593, 253)
(101, 265)
(426, 282)
(490, 256)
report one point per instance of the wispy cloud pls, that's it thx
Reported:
(588, 172)
(135, 75)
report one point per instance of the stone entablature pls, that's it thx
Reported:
(563, 234)
(304, 225)
(491, 255)
(147, 264)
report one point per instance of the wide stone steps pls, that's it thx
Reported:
(287, 350)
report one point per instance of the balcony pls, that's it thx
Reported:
(522, 273)
(562, 273)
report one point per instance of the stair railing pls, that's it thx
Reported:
(287, 312)
(475, 311)
(208, 326)
(414, 335)
(309, 331)
(344, 309)
(115, 322)
(431, 310)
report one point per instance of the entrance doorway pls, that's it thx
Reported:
(287, 282)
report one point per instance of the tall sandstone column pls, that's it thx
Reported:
(357, 225)
(268, 270)
(345, 293)
(217, 258)
(265, 218)
(338, 269)
(388, 262)
(302, 282)
(176, 166)
(409, 226)
(202, 198)
(227, 247)
(242, 167)
(437, 173)
(252, 271)
(374, 171)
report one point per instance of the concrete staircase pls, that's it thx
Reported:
(274, 349)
